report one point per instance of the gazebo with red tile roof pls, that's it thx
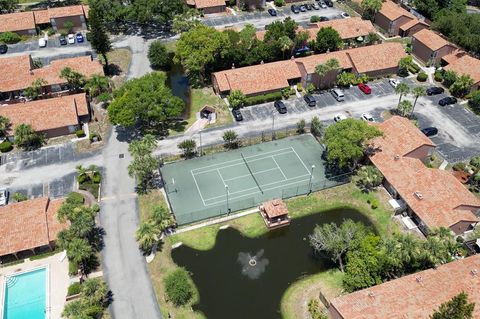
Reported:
(275, 213)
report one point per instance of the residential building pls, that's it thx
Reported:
(29, 225)
(52, 117)
(430, 47)
(251, 4)
(374, 61)
(22, 23)
(395, 20)
(18, 73)
(208, 6)
(413, 296)
(432, 198)
(26, 23)
(462, 63)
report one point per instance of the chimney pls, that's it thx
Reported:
(418, 195)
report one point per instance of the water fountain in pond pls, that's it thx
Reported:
(252, 266)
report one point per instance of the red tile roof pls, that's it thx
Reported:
(347, 28)
(41, 16)
(435, 196)
(310, 62)
(202, 4)
(29, 224)
(275, 208)
(47, 114)
(62, 12)
(410, 24)
(465, 65)
(431, 39)
(18, 21)
(393, 11)
(17, 72)
(377, 57)
(414, 296)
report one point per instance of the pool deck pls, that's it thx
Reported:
(58, 276)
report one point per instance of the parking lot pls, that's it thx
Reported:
(52, 43)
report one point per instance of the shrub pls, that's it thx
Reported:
(97, 178)
(438, 76)
(310, 88)
(19, 197)
(460, 166)
(92, 136)
(74, 289)
(299, 87)
(80, 133)
(413, 68)
(104, 97)
(374, 203)
(75, 198)
(178, 288)
(301, 126)
(6, 146)
(263, 98)
(157, 55)
(50, 32)
(72, 268)
(314, 19)
(9, 37)
(279, 3)
(287, 92)
(422, 77)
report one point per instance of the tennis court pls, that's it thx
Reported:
(213, 185)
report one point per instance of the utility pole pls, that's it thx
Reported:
(310, 182)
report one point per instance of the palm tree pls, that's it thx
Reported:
(4, 125)
(94, 291)
(405, 108)
(146, 236)
(402, 89)
(97, 84)
(74, 310)
(78, 251)
(285, 44)
(418, 91)
(161, 218)
(83, 224)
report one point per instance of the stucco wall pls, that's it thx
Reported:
(78, 23)
(218, 9)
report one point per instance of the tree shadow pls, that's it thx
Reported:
(113, 69)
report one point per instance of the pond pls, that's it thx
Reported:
(178, 82)
(246, 277)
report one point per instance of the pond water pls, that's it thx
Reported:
(178, 82)
(246, 277)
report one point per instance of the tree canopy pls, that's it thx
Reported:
(158, 55)
(146, 103)
(8, 5)
(144, 166)
(328, 40)
(460, 27)
(347, 140)
(457, 308)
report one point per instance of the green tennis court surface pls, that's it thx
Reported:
(212, 185)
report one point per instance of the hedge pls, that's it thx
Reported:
(75, 198)
(80, 133)
(258, 99)
(438, 76)
(74, 289)
(9, 37)
(413, 68)
(422, 76)
(6, 146)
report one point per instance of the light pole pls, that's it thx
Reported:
(201, 149)
(226, 190)
(310, 182)
(273, 124)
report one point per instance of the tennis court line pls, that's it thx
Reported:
(240, 159)
(265, 189)
(242, 176)
(241, 163)
(221, 177)
(247, 189)
(198, 189)
(301, 161)
(273, 157)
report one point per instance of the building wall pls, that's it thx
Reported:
(421, 153)
(414, 29)
(60, 131)
(292, 1)
(217, 9)
(425, 54)
(215, 86)
(27, 32)
(382, 21)
(78, 23)
(395, 27)
(382, 72)
(334, 314)
(461, 227)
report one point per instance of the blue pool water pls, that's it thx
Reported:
(25, 295)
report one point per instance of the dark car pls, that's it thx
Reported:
(447, 101)
(430, 131)
(308, 6)
(280, 106)
(310, 100)
(329, 3)
(79, 38)
(434, 90)
(302, 8)
(324, 19)
(295, 9)
(272, 12)
(63, 40)
(3, 48)
(237, 115)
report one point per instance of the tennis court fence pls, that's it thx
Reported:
(257, 199)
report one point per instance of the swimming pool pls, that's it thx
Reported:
(25, 295)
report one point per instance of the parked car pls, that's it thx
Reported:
(364, 88)
(338, 94)
(368, 117)
(237, 115)
(324, 19)
(63, 40)
(430, 131)
(280, 106)
(302, 8)
(79, 38)
(339, 117)
(42, 42)
(323, 5)
(315, 6)
(295, 9)
(434, 90)
(308, 6)
(3, 196)
(329, 3)
(71, 39)
(310, 100)
(3, 48)
(345, 15)
(393, 82)
(447, 101)
(272, 12)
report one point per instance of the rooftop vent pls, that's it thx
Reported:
(371, 294)
(397, 157)
(419, 279)
(474, 272)
(261, 62)
(418, 195)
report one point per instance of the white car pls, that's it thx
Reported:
(393, 82)
(71, 39)
(42, 42)
(368, 117)
(345, 15)
(339, 117)
(3, 196)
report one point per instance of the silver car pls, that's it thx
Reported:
(3, 196)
